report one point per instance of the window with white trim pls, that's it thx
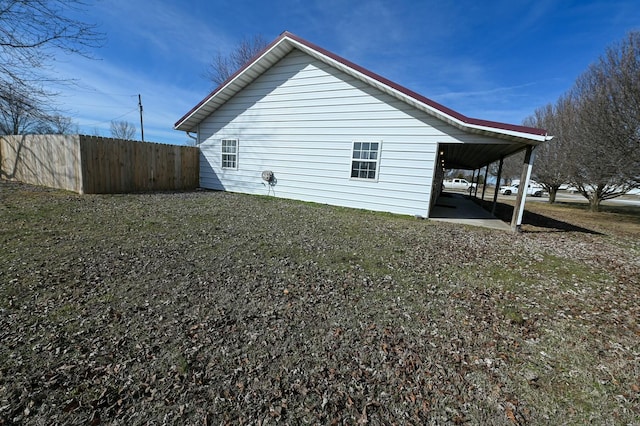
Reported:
(229, 153)
(364, 160)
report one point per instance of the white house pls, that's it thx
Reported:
(303, 123)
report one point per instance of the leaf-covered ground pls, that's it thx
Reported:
(218, 308)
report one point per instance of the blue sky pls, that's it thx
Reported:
(494, 60)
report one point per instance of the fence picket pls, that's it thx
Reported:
(91, 164)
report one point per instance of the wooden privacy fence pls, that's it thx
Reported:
(96, 165)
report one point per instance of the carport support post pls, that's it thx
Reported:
(475, 191)
(473, 179)
(495, 192)
(484, 185)
(518, 210)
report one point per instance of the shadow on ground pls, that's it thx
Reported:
(536, 222)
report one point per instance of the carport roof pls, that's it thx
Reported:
(463, 156)
(475, 156)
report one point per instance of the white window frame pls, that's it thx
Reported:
(229, 154)
(357, 154)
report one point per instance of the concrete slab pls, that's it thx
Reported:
(458, 208)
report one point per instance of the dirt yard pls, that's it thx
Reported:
(212, 308)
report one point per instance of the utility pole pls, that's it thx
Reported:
(141, 125)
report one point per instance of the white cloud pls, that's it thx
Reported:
(502, 92)
(105, 92)
(165, 27)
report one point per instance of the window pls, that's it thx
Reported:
(364, 160)
(229, 153)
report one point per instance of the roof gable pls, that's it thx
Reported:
(286, 42)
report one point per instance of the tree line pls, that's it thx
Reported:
(596, 129)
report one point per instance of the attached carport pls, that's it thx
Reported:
(478, 156)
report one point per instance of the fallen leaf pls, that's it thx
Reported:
(510, 415)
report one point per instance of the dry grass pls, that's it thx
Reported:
(616, 220)
(216, 308)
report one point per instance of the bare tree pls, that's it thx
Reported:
(605, 151)
(31, 32)
(21, 115)
(223, 66)
(57, 125)
(553, 159)
(122, 130)
(17, 112)
(511, 168)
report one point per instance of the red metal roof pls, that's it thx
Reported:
(405, 91)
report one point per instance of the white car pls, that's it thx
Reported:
(458, 183)
(534, 191)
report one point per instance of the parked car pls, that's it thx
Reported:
(458, 183)
(534, 191)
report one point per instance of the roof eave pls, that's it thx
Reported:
(191, 119)
(511, 135)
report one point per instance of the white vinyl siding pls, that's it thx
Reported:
(229, 153)
(300, 119)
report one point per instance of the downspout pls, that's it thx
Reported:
(195, 138)
(197, 165)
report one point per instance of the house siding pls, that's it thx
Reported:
(299, 120)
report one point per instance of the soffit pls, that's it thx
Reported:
(475, 156)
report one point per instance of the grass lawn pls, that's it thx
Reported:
(218, 308)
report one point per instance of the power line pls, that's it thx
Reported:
(108, 121)
(100, 92)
